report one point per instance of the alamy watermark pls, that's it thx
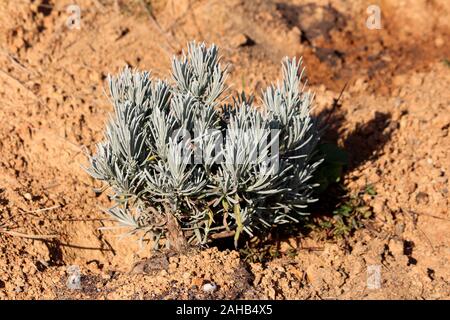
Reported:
(73, 278)
(373, 22)
(214, 147)
(74, 19)
(374, 276)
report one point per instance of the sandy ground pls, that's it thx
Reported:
(393, 119)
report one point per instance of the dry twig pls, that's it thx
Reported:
(28, 236)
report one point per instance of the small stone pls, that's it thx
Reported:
(174, 260)
(314, 276)
(28, 196)
(272, 293)
(360, 85)
(411, 187)
(281, 269)
(257, 279)
(399, 229)
(374, 178)
(386, 58)
(396, 247)
(163, 273)
(106, 276)
(18, 289)
(241, 40)
(294, 34)
(298, 273)
(399, 80)
(416, 80)
(398, 102)
(209, 287)
(173, 266)
(198, 282)
(439, 42)
(422, 198)
(378, 206)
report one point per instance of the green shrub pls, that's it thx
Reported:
(189, 165)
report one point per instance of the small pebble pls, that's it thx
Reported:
(241, 40)
(439, 42)
(209, 287)
(422, 198)
(186, 275)
(174, 260)
(163, 273)
(197, 282)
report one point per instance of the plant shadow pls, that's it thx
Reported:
(364, 143)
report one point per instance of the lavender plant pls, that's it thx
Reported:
(187, 164)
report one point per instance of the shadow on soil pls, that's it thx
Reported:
(339, 212)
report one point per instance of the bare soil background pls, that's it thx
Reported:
(393, 119)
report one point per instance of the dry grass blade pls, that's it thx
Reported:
(20, 85)
(42, 209)
(29, 236)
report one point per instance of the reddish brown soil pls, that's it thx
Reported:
(393, 120)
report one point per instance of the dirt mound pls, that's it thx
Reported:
(393, 120)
